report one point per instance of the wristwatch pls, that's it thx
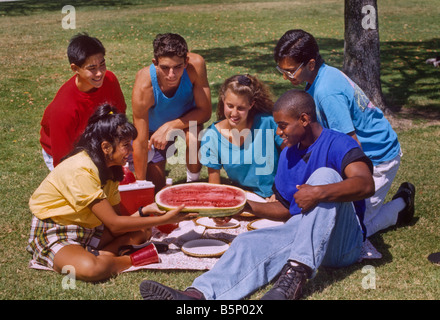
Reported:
(140, 212)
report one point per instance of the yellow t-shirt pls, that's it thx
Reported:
(66, 193)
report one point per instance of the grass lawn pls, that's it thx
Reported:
(234, 37)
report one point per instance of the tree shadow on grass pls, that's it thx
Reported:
(28, 7)
(407, 81)
(255, 59)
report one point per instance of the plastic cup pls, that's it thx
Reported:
(145, 256)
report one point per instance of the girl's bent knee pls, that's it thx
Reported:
(90, 269)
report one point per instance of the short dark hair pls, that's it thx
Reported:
(106, 124)
(296, 102)
(169, 45)
(82, 46)
(299, 45)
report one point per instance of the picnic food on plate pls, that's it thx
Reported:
(207, 199)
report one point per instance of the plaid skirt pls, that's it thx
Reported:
(47, 238)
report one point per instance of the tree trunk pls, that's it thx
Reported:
(362, 48)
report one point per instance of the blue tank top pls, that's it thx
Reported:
(166, 109)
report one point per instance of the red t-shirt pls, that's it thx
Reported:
(66, 117)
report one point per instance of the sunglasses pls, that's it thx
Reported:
(289, 74)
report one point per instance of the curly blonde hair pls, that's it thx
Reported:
(255, 90)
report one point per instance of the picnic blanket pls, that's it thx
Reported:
(176, 259)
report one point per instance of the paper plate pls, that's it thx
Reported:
(205, 247)
(263, 223)
(254, 197)
(210, 223)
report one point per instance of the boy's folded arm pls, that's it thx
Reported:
(268, 210)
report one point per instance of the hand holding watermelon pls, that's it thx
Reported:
(220, 221)
(153, 209)
(172, 216)
(176, 216)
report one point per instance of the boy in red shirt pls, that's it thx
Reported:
(65, 118)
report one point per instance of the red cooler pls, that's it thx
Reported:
(135, 195)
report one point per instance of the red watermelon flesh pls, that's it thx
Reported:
(205, 198)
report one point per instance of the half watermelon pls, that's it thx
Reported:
(207, 199)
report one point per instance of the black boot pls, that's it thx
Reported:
(406, 191)
(289, 284)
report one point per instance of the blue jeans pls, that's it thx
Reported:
(329, 235)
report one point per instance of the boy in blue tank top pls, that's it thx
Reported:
(342, 106)
(167, 95)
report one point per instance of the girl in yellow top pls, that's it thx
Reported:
(76, 218)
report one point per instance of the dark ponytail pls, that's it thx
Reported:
(106, 124)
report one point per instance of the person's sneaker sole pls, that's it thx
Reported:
(408, 191)
(435, 258)
(151, 290)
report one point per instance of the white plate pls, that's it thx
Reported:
(210, 223)
(205, 247)
(254, 197)
(263, 223)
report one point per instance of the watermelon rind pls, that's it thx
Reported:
(211, 212)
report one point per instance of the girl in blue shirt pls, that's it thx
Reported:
(243, 141)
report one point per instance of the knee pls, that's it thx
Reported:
(138, 237)
(89, 269)
(324, 176)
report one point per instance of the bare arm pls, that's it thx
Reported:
(142, 100)
(202, 93)
(121, 224)
(268, 210)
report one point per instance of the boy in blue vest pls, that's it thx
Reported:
(322, 178)
(167, 95)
